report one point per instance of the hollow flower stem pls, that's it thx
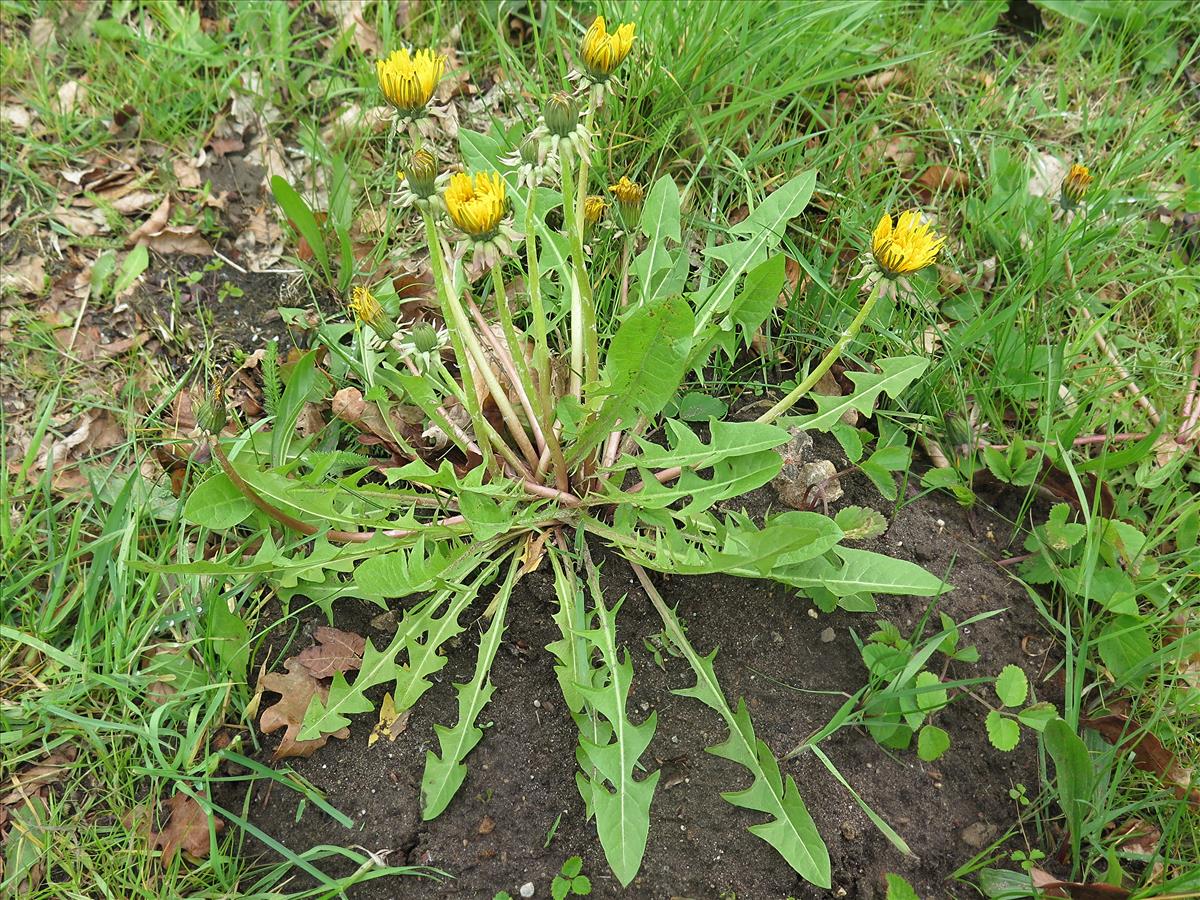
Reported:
(831, 356)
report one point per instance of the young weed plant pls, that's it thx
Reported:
(516, 432)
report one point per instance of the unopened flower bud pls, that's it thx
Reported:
(1075, 186)
(211, 415)
(629, 196)
(593, 211)
(530, 150)
(561, 114)
(422, 174)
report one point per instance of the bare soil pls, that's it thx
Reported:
(519, 815)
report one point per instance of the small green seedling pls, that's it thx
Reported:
(570, 882)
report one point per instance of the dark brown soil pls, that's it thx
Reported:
(520, 788)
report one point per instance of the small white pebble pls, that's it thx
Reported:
(526, 889)
(537, 703)
(812, 613)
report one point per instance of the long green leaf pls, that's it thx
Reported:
(898, 373)
(659, 221)
(444, 774)
(684, 447)
(622, 812)
(644, 367)
(302, 218)
(301, 382)
(790, 829)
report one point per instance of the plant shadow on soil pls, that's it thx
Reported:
(520, 782)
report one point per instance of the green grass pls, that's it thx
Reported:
(730, 99)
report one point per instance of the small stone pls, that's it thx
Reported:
(645, 706)
(812, 613)
(977, 834)
(827, 636)
(487, 826)
(526, 889)
(537, 703)
(849, 832)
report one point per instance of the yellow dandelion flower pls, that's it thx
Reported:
(476, 206)
(629, 194)
(408, 80)
(602, 51)
(593, 210)
(366, 308)
(907, 248)
(1075, 185)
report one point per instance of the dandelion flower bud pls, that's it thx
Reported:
(408, 80)
(531, 151)
(561, 114)
(211, 415)
(421, 173)
(629, 196)
(593, 211)
(1075, 186)
(907, 248)
(601, 51)
(366, 310)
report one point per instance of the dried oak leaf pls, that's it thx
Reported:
(335, 651)
(48, 770)
(1149, 754)
(296, 688)
(187, 829)
(945, 178)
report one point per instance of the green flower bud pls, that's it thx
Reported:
(211, 415)
(422, 172)
(561, 114)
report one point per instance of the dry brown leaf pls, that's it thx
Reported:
(1048, 174)
(133, 201)
(902, 151)
(187, 173)
(96, 432)
(296, 688)
(179, 239)
(80, 222)
(350, 14)
(223, 146)
(187, 829)
(828, 386)
(533, 551)
(1075, 890)
(261, 241)
(70, 95)
(26, 276)
(880, 80)
(46, 771)
(335, 651)
(156, 223)
(945, 178)
(41, 33)
(1149, 754)
(18, 117)
(1137, 836)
